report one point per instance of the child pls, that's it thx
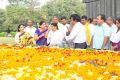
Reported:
(54, 38)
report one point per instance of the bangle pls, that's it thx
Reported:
(39, 36)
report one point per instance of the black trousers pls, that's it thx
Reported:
(80, 45)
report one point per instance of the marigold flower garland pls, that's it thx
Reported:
(25, 63)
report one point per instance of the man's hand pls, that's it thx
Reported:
(106, 39)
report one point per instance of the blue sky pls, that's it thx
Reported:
(3, 3)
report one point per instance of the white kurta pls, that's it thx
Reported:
(31, 31)
(64, 29)
(55, 38)
(113, 29)
(17, 37)
(115, 37)
(77, 34)
(92, 29)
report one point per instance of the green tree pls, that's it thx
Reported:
(30, 4)
(14, 16)
(2, 19)
(63, 8)
(19, 11)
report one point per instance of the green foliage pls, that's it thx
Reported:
(2, 34)
(63, 8)
(2, 18)
(13, 33)
(19, 11)
(7, 40)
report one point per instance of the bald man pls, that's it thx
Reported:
(110, 22)
(30, 29)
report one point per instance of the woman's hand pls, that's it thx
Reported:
(114, 47)
(42, 35)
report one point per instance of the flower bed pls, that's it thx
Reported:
(17, 63)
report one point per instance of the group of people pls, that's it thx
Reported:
(99, 33)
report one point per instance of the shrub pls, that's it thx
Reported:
(2, 34)
(13, 33)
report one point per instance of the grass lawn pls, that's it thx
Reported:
(7, 40)
(11, 41)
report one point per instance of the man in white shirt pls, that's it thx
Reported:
(77, 34)
(56, 20)
(113, 27)
(84, 21)
(92, 26)
(64, 28)
(30, 29)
